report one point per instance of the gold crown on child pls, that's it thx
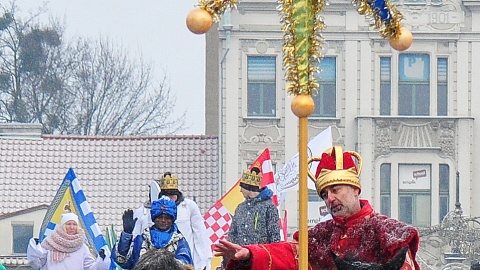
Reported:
(169, 182)
(251, 178)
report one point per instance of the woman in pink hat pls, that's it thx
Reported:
(65, 248)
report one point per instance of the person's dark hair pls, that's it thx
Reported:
(168, 192)
(157, 259)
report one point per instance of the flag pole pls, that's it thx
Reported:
(301, 50)
(302, 106)
(303, 193)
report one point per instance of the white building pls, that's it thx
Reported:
(409, 114)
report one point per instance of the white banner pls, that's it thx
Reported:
(287, 177)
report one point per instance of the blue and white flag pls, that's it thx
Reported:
(71, 198)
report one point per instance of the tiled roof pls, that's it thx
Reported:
(114, 172)
(24, 211)
(14, 260)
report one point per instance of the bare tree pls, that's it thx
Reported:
(87, 87)
(32, 71)
(115, 95)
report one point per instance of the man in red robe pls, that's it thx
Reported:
(356, 233)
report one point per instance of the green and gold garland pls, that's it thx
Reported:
(217, 7)
(385, 15)
(302, 42)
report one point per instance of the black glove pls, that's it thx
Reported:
(102, 254)
(128, 221)
(398, 260)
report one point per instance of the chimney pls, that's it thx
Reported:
(20, 130)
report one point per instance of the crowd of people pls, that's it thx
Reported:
(356, 235)
(168, 231)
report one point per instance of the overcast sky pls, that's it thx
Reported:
(154, 28)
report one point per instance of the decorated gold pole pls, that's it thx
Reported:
(303, 194)
(301, 49)
(302, 26)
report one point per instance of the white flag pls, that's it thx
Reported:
(287, 177)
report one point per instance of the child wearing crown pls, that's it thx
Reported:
(256, 219)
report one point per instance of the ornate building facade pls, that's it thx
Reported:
(411, 114)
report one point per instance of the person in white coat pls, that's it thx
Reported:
(65, 248)
(189, 219)
(142, 213)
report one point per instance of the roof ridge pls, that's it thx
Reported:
(129, 137)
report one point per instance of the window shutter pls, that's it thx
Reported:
(261, 68)
(442, 66)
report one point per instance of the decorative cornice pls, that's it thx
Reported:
(261, 134)
(245, 7)
(429, 134)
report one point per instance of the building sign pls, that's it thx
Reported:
(414, 176)
(432, 14)
(316, 210)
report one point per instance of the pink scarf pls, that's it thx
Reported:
(62, 244)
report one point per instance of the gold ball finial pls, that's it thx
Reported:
(303, 105)
(199, 21)
(403, 41)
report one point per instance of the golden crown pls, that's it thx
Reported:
(169, 182)
(251, 178)
(339, 175)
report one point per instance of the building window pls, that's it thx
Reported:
(415, 2)
(444, 182)
(414, 84)
(21, 235)
(442, 86)
(313, 196)
(326, 97)
(385, 190)
(415, 194)
(274, 166)
(261, 86)
(385, 85)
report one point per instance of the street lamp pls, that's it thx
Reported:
(459, 235)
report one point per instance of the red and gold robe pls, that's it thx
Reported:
(365, 236)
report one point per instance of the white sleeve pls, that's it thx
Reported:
(142, 214)
(36, 254)
(102, 264)
(91, 264)
(202, 252)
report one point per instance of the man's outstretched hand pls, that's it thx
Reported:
(231, 251)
